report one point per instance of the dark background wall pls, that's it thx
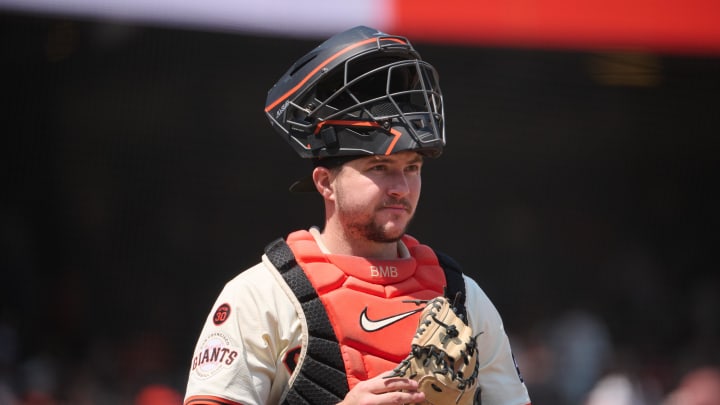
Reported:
(140, 174)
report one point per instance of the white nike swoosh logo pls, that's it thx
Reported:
(370, 325)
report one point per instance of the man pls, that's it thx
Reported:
(329, 312)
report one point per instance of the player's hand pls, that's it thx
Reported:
(383, 390)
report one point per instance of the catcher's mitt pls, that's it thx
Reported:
(443, 357)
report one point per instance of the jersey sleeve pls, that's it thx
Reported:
(499, 377)
(238, 358)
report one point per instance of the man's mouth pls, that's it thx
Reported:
(396, 205)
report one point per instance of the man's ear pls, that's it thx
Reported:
(323, 179)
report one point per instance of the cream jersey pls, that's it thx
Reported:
(252, 338)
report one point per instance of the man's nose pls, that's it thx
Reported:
(399, 185)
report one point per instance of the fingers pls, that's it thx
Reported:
(384, 389)
(385, 383)
(398, 397)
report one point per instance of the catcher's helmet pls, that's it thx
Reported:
(361, 92)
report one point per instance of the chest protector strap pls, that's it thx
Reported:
(322, 378)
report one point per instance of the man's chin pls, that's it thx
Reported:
(391, 233)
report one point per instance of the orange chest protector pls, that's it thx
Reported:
(361, 313)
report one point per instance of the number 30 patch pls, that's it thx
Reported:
(221, 314)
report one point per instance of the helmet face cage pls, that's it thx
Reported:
(403, 93)
(381, 100)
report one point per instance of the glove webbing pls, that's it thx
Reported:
(441, 358)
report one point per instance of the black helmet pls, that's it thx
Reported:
(361, 92)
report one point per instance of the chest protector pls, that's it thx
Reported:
(361, 313)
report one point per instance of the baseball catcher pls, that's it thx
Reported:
(330, 310)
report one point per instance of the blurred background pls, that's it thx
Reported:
(578, 187)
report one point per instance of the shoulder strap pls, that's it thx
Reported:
(455, 290)
(321, 379)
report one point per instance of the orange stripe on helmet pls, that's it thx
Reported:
(397, 134)
(348, 123)
(322, 65)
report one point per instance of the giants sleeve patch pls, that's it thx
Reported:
(214, 354)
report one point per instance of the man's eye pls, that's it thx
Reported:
(413, 168)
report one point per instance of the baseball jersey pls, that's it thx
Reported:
(253, 334)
